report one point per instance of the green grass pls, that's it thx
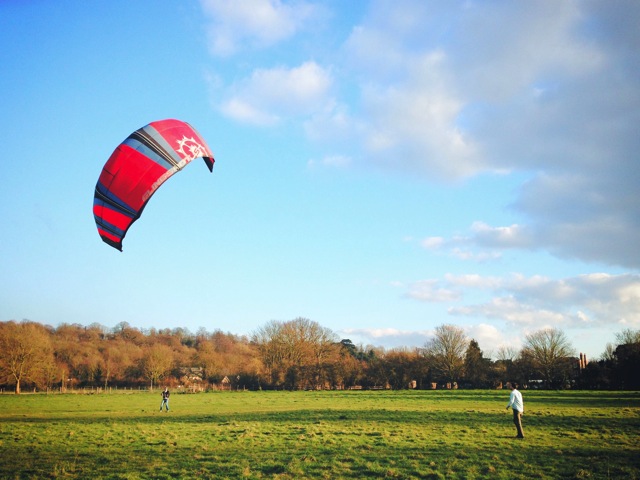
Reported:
(291, 435)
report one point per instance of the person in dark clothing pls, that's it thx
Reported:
(165, 399)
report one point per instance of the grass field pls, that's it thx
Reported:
(364, 434)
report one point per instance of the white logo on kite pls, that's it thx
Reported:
(189, 149)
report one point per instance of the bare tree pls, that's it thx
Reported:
(270, 348)
(550, 351)
(25, 353)
(627, 337)
(157, 361)
(402, 366)
(349, 368)
(446, 351)
(506, 353)
(209, 359)
(118, 355)
(609, 353)
(295, 352)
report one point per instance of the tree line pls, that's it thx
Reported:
(295, 354)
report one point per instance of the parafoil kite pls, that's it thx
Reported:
(137, 168)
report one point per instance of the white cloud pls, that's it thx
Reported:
(514, 236)
(332, 124)
(512, 311)
(380, 332)
(432, 291)
(483, 243)
(271, 94)
(452, 89)
(488, 337)
(474, 280)
(504, 48)
(331, 161)
(244, 112)
(412, 124)
(593, 216)
(253, 23)
(608, 234)
(432, 243)
(409, 102)
(597, 299)
(480, 257)
(386, 337)
(590, 307)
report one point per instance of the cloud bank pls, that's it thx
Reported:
(449, 90)
(591, 300)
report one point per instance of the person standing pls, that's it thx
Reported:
(517, 405)
(165, 399)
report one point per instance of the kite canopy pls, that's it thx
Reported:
(137, 168)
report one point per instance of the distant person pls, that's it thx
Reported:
(516, 403)
(165, 399)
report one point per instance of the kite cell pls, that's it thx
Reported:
(137, 168)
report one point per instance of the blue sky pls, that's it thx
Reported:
(382, 167)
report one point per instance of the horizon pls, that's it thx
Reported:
(490, 354)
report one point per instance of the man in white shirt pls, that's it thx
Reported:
(516, 403)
